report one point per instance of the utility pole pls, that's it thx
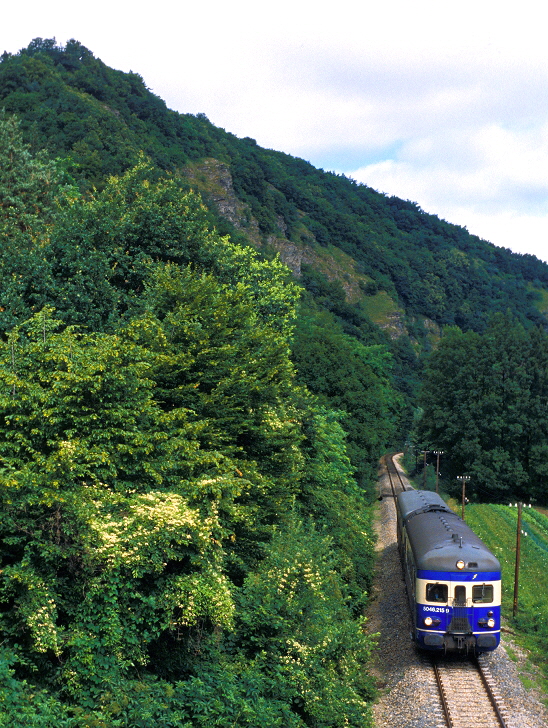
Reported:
(438, 453)
(464, 478)
(425, 453)
(518, 552)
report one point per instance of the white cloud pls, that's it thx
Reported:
(493, 181)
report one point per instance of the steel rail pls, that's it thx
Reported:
(490, 693)
(443, 697)
(388, 462)
(446, 703)
(390, 466)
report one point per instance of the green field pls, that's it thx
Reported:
(496, 525)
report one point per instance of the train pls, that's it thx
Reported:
(453, 580)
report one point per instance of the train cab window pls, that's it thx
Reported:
(436, 593)
(482, 593)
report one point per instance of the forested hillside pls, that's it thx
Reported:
(99, 120)
(378, 271)
(190, 428)
(492, 416)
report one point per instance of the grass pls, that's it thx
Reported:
(382, 309)
(496, 525)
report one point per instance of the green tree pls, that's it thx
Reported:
(223, 356)
(331, 497)
(349, 376)
(103, 247)
(483, 400)
(110, 508)
(293, 613)
(28, 185)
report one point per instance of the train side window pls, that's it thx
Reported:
(482, 593)
(436, 593)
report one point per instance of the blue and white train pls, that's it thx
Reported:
(453, 580)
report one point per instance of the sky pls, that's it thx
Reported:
(443, 103)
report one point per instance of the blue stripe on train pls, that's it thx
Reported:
(479, 576)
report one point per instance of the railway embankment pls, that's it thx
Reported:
(408, 695)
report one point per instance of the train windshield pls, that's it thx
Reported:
(482, 593)
(436, 593)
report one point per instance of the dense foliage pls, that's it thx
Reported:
(183, 538)
(354, 378)
(485, 401)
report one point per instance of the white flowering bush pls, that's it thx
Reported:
(99, 561)
(294, 611)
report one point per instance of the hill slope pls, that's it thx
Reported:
(100, 119)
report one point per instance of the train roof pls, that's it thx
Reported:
(411, 502)
(439, 538)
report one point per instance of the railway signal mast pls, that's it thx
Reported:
(425, 453)
(464, 479)
(438, 453)
(518, 552)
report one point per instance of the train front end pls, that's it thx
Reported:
(457, 610)
(453, 580)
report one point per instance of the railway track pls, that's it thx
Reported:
(396, 481)
(463, 684)
(467, 697)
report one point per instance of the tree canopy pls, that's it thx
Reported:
(180, 519)
(484, 399)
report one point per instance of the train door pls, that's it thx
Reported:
(461, 612)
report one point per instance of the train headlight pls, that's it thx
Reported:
(490, 622)
(460, 564)
(428, 621)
